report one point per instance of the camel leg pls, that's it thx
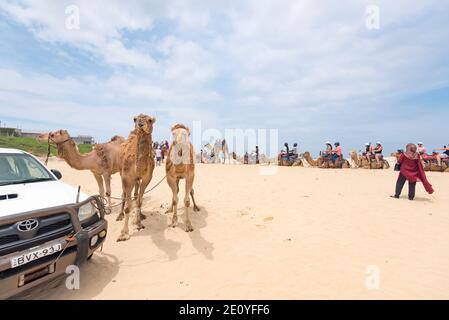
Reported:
(172, 182)
(170, 208)
(122, 209)
(137, 188)
(189, 184)
(195, 207)
(107, 181)
(127, 189)
(99, 179)
(143, 185)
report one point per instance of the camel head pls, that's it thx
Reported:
(307, 155)
(180, 134)
(54, 137)
(144, 123)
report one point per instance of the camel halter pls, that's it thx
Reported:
(49, 147)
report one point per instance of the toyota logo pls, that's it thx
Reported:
(27, 225)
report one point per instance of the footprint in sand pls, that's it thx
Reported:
(268, 219)
(244, 213)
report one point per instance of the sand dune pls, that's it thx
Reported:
(297, 233)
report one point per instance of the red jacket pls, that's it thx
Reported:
(413, 171)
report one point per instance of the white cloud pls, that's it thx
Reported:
(268, 63)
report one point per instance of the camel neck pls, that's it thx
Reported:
(144, 145)
(71, 155)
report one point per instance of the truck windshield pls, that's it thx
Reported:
(21, 168)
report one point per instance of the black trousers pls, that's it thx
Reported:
(400, 184)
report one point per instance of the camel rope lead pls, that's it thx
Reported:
(48, 150)
(133, 198)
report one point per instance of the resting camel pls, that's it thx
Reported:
(320, 163)
(313, 163)
(283, 161)
(103, 161)
(428, 165)
(180, 165)
(136, 168)
(362, 162)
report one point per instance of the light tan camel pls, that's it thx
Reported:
(180, 165)
(103, 161)
(136, 169)
(355, 159)
(220, 146)
(313, 163)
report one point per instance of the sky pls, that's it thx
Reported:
(313, 70)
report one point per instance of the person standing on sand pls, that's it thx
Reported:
(158, 156)
(257, 154)
(411, 170)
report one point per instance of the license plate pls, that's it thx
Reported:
(34, 255)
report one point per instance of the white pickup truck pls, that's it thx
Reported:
(45, 225)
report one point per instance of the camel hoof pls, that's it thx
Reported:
(195, 208)
(189, 228)
(140, 227)
(120, 217)
(123, 237)
(142, 216)
(173, 225)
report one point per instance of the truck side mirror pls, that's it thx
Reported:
(57, 173)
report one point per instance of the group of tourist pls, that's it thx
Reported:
(160, 150)
(373, 153)
(332, 154)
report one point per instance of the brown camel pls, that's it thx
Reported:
(320, 163)
(103, 161)
(290, 162)
(362, 162)
(136, 169)
(180, 165)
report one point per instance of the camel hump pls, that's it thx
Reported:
(117, 139)
(101, 152)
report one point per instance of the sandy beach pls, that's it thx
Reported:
(295, 233)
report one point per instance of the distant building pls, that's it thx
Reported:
(82, 139)
(30, 134)
(10, 132)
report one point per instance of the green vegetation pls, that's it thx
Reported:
(33, 146)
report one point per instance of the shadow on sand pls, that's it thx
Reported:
(156, 226)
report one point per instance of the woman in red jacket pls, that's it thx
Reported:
(411, 170)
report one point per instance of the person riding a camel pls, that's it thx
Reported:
(287, 149)
(294, 153)
(337, 154)
(368, 151)
(425, 157)
(378, 151)
(444, 155)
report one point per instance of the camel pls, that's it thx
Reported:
(320, 163)
(362, 162)
(283, 161)
(313, 163)
(136, 169)
(180, 165)
(220, 146)
(103, 161)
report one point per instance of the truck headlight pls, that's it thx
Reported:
(86, 211)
